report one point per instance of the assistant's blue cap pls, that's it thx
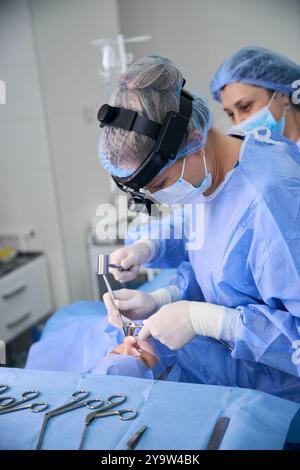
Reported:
(256, 66)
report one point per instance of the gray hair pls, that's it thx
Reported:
(151, 87)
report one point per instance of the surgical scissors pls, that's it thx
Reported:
(76, 402)
(125, 414)
(11, 404)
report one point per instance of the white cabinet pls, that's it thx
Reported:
(25, 297)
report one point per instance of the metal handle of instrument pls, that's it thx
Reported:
(113, 299)
(132, 442)
(218, 433)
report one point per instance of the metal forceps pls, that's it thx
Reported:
(125, 414)
(9, 404)
(128, 326)
(77, 400)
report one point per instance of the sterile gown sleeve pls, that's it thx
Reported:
(169, 254)
(168, 235)
(187, 283)
(267, 332)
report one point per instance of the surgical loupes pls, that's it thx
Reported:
(129, 327)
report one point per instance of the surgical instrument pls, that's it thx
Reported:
(3, 388)
(136, 437)
(9, 401)
(77, 400)
(128, 326)
(14, 405)
(218, 433)
(112, 401)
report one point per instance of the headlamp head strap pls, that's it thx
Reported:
(168, 137)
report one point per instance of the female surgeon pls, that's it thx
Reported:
(245, 331)
(259, 87)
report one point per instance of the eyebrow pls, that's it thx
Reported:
(237, 103)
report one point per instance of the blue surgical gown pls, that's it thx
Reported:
(250, 261)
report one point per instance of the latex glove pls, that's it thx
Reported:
(137, 305)
(171, 325)
(133, 304)
(130, 258)
(177, 323)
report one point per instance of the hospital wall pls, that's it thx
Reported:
(199, 34)
(28, 197)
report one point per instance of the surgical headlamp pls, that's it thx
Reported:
(168, 137)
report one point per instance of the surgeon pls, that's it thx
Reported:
(259, 87)
(157, 139)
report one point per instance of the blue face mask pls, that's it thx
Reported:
(183, 192)
(262, 118)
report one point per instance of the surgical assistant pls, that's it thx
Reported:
(248, 268)
(259, 87)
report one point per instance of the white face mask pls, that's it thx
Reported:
(262, 118)
(182, 192)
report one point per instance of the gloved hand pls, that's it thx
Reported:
(132, 304)
(137, 305)
(130, 258)
(176, 324)
(171, 325)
